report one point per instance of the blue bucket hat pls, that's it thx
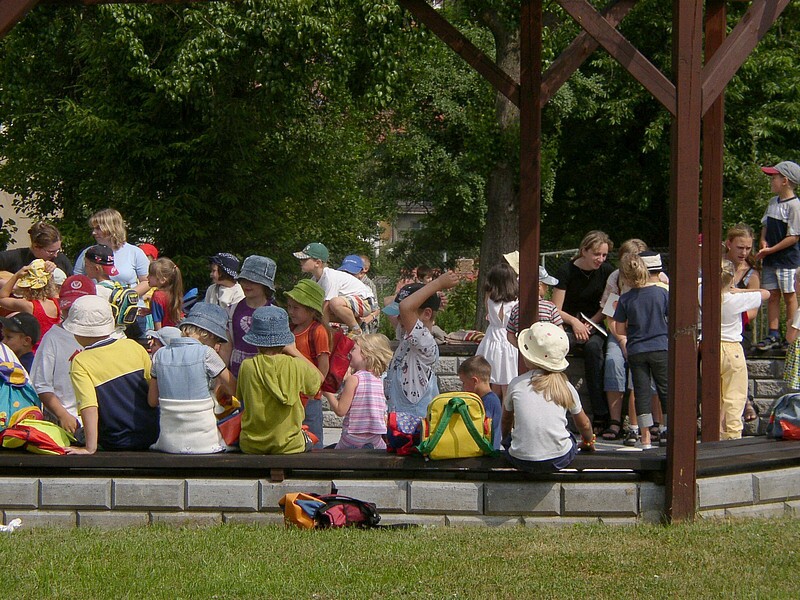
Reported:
(259, 269)
(165, 335)
(352, 264)
(210, 317)
(227, 262)
(270, 328)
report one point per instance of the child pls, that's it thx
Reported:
(21, 334)
(166, 304)
(370, 322)
(475, 374)
(347, 300)
(181, 381)
(537, 403)
(312, 337)
(163, 337)
(733, 367)
(98, 264)
(51, 365)
(411, 378)
(110, 378)
(270, 385)
(150, 251)
(224, 291)
(39, 295)
(548, 312)
(257, 278)
(641, 315)
(362, 402)
(778, 249)
(501, 296)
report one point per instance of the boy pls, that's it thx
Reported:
(347, 300)
(548, 312)
(110, 378)
(779, 251)
(270, 385)
(370, 322)
(411, 378)
(98, 264)
(21, 333)
(475, 374)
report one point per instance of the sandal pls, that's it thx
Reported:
(655, 429)
(609, 434)
(750, 412)
(768, 343)
(599, 426)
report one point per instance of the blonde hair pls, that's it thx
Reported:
(203, 335)
(634, 270)
(742, 230)
(168, 272)
(727, 273)
(593, 239)
(554, 387)
(50, 290)
(110, 222)
(631, 246)
(376, 352)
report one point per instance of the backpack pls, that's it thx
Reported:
(784, 418)
(456, 427)
(339, 359)
(27, 429)
(16, 391)
(124, 304)
(403, 433)
(323, 511)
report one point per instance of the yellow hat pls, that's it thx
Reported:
(36, 277)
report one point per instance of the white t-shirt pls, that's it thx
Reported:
(733, 305)
(338, 283)
(51, 364)
(540, 427)
(130, 261)
(224, 296)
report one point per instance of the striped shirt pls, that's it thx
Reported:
(548, 313)
(367, 412)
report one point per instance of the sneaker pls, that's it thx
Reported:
(768, 343)
(646, 446)
(631, 437)
(662, 438)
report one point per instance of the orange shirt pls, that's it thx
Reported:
(321, 345)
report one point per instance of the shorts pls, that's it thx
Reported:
(779, 278)
(361, 307)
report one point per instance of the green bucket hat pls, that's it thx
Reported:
(308, 293)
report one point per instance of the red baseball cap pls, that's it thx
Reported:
(74, 287)
(150, 250)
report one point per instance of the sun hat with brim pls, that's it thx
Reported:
(227, 262)
(651, 260)
(545, 277)
(308, 293)
(74, 287)
(210, 317)
(259, 269)
(164, 335)
(313, 250)
(545, 345)
(90, 316)
(393, 309)
(787, 168)
(512, 258)
(36, 277)
(270, 328)
(24, 323)
(352, 264)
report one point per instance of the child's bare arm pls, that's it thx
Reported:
(53, 403)
(585, 427)
(152, 392)
(409, 306)
(342, 404)
(506, 422)
(89, 416)
(291, 350)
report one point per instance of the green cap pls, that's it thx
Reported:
(313, 250)
(308, 293)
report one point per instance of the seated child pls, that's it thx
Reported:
(537, 403)
(347, 300)
(269, 387)
(98, 264)
(21, 334)
(224, 291)
(39, 294)
(181, 380)
(362, 402)
(110, 378)
(475, 374)
(548, 312)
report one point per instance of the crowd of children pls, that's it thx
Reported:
(238, 352)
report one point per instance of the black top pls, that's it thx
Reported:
(583, 289)
(14, 260)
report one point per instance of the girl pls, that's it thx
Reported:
(733, 367)
(166, 304)
(536, 406)
(362, 402)
(39, 295)
(224, 291)
(641, 317)
(183, 374)
(502, 291)
(313, 338)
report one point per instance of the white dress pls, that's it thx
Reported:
(495, 347)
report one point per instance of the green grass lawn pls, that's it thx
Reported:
(721, 559)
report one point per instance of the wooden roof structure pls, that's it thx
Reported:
(704, 58)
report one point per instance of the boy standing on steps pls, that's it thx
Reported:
(779, 250)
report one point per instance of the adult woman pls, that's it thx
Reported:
(739, 250)
(131, 263)
(45, 244)
(577, 295)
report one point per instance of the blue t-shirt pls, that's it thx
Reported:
(646, 310)
(491, 404)
(130, 262)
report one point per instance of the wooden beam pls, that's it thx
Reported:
(754, 24)
(622, 51)
(687, 32)
(713, 151)
(11, 11)
(573, 56)
(471, 54)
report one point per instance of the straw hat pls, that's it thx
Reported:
(545, 345)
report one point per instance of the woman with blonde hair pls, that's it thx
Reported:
(130, 262)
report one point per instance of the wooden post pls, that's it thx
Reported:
(11, 11)
(685, 182)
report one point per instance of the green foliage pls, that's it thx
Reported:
(460, 310)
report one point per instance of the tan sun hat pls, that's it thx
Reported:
(545, 345)
(512, 258)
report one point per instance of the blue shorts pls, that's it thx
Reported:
(782, 279)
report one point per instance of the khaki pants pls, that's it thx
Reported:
(733, 373)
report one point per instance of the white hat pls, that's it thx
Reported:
(512, 258)
(90, 316)
(545, 345)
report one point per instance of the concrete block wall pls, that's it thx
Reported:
(766, 494)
